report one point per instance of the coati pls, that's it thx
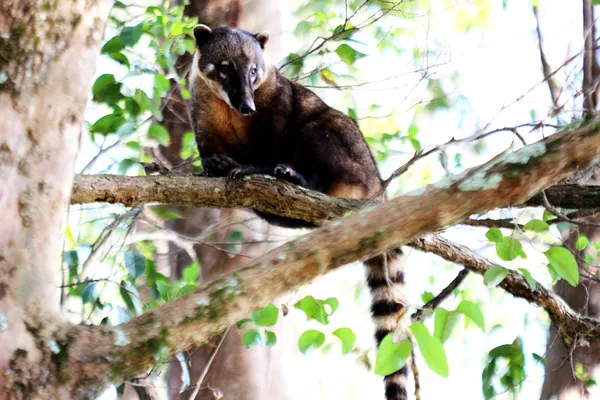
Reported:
(250, 119)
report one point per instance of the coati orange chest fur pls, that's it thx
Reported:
(249, 119)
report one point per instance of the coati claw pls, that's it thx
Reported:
(286, 173)
(237, 173)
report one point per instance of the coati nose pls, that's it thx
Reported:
(247, 107)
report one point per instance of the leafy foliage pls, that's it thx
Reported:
(505, 369)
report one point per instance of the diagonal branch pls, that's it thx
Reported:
(123, 351)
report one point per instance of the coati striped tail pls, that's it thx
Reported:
(385, 278)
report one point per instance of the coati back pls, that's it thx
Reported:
(249, 119)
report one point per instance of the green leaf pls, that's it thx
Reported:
(191, 272)
(124, 291)
(188, 145)
(166, 290)
(313, 309)
(426, 296)
(159, 133)
(126, 129)
(240, 324)
(120, 58)
(146, 103)
(539, 358)
(161, 84)
(536, 225)
(472, 311)
(89, 293)
(266, 316)
(125, 164)
(135, 263)
(348, 338)
(509, 249)
(347, 54)
(310, 340)
(444, 324)
(582, 242)
(271, 338)
(114, 45)
(494, 276)
(188, 287)
(106, 89)
(412, 131)
(547, 215)
(391, 356)
(333, 303)
(494, 235)
(108, 124)
(563, 262)
(71, 258)
(431, 349)
(528, 278)
(185, 94)
(252, 338)
(130, 35)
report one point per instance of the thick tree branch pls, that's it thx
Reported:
(265, 193)
(186, 322)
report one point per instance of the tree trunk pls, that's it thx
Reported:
(42, 97)
(585, 299)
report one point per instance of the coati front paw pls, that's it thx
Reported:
(284, 172)
(241, 171)
(219, 166)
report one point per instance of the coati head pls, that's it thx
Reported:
(232, 64)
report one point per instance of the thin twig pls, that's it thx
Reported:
(554, 89)
(432, 304)
(211, 358)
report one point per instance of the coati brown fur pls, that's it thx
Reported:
(250, 119)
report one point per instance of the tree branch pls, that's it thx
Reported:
(432, 304)
(508, 179)
(572, 326)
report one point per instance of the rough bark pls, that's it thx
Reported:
(261, 192)
(42, 97)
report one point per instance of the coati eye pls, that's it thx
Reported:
(253, 73)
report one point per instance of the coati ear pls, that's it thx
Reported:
(201, 33)
(263, 38)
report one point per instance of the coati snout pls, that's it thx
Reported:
(232, 64)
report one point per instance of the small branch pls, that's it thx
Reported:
(432, 304)
(554, 89)
(507, 223)
(211, 358)
(570, 325)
